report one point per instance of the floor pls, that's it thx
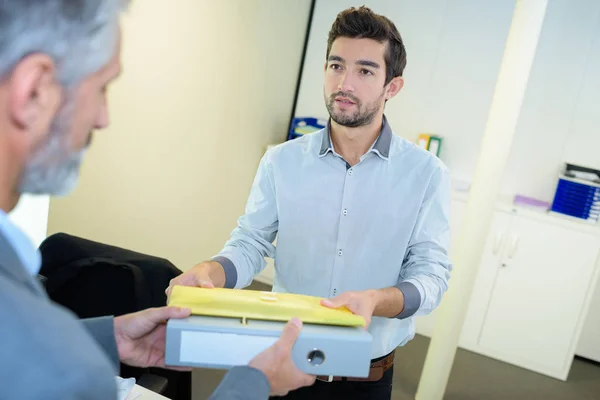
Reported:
(473, 377)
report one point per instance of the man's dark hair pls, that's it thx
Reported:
(363, 23)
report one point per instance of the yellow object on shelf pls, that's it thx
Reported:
(252, 304)
(423, 140)
(431, 143)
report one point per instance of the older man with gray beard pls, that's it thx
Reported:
(57, 57)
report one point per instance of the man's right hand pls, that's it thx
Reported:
(207, 274)
(277, 364)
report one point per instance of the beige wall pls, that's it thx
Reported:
(206, 86)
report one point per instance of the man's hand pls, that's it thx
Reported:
(207, 274)
(277, 364)
(360, 303)
(387, 302)
(141, 336)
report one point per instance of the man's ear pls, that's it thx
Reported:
(35, 95)
(393, 87)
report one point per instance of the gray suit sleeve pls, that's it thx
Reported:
(245, 383)
(46, 353)
(102, 329)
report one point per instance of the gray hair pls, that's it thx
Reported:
(79, 35)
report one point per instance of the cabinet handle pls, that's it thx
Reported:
(513, 246)
(497, 243)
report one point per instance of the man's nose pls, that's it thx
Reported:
(345, 84)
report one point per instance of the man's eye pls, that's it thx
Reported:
(335, 66)
(366, 72)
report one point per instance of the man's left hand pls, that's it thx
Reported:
(141, 336)
(360, 303)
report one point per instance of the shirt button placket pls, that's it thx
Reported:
(339, 262)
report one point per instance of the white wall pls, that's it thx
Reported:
(454, 50)
(206, 86)
(582, 145)
(31, 216)
(560, 119)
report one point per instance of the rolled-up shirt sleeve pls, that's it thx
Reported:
(426, 267)
(243, 256)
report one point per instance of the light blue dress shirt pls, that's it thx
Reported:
(383, 222)
(28, 256)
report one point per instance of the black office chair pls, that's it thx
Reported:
(94, 279)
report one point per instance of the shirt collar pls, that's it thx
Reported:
(21, 251)
(381, 147)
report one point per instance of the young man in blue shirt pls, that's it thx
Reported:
(361, 215)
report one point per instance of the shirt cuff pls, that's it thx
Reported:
(412, 299)
(231, 274)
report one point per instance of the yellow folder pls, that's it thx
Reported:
(252, 304)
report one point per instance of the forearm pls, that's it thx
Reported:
(389, 302)
(215, 272)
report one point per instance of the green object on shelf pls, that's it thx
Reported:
(435, 144)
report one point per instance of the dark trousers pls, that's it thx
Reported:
(378, 390)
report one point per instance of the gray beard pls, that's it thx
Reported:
(53, 168)
(55, 179)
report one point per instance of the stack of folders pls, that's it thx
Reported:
(229, 327)
(578, 194)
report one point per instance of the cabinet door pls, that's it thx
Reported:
(495, 248)
(538, 296)
(589, 342)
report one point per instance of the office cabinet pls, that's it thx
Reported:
(532, 291)
(484, 283)
(539, 294)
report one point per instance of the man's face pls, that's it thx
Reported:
(53, 166)
(355, 89)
